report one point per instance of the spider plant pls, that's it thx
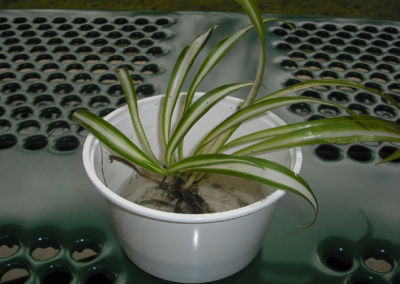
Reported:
(209, 157)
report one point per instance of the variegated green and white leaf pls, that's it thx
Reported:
(349, 130)
(179, 73)
(130, 96)
(251, 168)
(115, 140)
(216, 54)
(280, 130)
(259, 108)
(196, 111)
(329, 82)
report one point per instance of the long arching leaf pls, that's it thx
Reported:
(251, 168)
(115, 140)
(179, 73)
(256, 109)
(349, 130)
(196, 111)
(130, 96)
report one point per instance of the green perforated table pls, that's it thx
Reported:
(53, 62)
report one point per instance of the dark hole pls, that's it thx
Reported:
(121, 102)
(330, 27)
(7, 141)
(58, 277)
(368, 59)
(12, 41)
(71, 101)
(100, 278)
(380, 43)
(386, 112)
(20, 20)
(114, 35)
(7, 34)
(63, 89)
(284, 47)
(145, 43)
(162, 22)
(122, 42)
(337, 41)
(310, 27)
(136, 35)
(146, 90)
(292, 82)
(360, 153)
(315, 41)
(93, 34)
(363, 35)
(307, 48)
(44, 27)
(100, 21)
(350, 28)
(386, 152)
(67, 58)
(59, 20)
(107, 50)
(49, 34)
(300, 109)
(33, 41)
(322, 34)
(55, 41)
(71, 34)
(142, 21)
(67, 143)
(79, 21)
(150, 29)
(154, 51)
(90, 89)
(50, 113)
(371, 29)
(43, 100)
(120, 21)
(24, 27)
(286, 26)
(391, 30)
(358, 42)
(374, 86)
(65, 27)
(329, 110)
(36, 142)
(11, 88)
(86, 27)
(159, 35)
(115, 90)
(338, 97)
(150, 69)
(100, 42)
(365, 98)
(345, 58)
(352, 50)
(36, 88)
(311, 94)
(315, 117)
(343, 35)
(91, 59)
(107, 28)
(104, 113)
(128, 28)
(288, 64)
(293, 40)
(321, 57)
(279, 32)
(5, 27)
(359, 109)
(16, 49)
(84, 50)
(61, 49)
(338, 264)
(374, 51)
(77, 41)
(328, 152)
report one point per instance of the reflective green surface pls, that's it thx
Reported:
(47, 200)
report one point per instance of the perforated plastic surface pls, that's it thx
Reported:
(56, 61)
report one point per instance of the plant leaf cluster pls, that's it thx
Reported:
(209, 157)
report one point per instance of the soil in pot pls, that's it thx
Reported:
(220, 193)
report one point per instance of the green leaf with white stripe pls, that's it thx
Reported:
(259, 108)
(330, 82)
(196, 111)
(130, 96)
(216, 54)
(346, 131)
(178, 76)
(251, 168)
(115, 140)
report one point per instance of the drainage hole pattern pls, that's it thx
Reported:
(49, 67)
(366, 54)
(369, 261)
(51, 255)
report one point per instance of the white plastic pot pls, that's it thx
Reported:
(184, 247)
